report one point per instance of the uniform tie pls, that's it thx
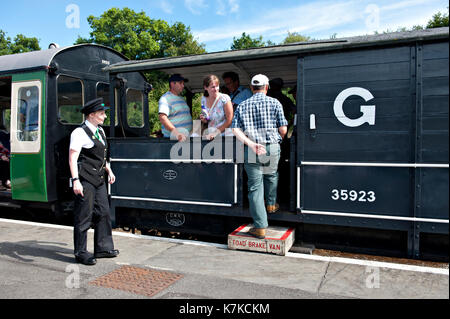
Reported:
(97, 135)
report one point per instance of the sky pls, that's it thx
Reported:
(216, 22)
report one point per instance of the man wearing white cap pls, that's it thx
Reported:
(260, 124)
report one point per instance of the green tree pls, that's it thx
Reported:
(139, 37)
(247, 42)
(175, 40)
(4, 43)
(20, 44)
(125, 31)
(293, 37)
(438, 20)
(24, 44)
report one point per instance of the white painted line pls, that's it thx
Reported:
(171, 240)
(179, 160)
(21, 222)
(159, 268)
(412, 165)
(368, 263)
(412, 219)
(173, 201)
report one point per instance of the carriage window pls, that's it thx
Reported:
(103, 91)
(70, 100)
(28, 114)
(135, 109)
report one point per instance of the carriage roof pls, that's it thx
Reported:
(35, 60)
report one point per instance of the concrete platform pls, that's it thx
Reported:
(278, 240)
(36, 261)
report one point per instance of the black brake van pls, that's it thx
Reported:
(368, 153)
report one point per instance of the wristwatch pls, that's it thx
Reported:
(74, 179)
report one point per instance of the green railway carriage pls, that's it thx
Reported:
(41, 94)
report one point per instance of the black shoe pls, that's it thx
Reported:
(86, 260)
(107, 254)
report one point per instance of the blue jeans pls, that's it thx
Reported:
(262, 172)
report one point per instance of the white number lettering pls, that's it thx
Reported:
(363, 196)
(353, 195)
(335, 195)
(371, 196)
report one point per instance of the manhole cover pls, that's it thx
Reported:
(137, 280)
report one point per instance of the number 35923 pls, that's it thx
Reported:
(353, 195)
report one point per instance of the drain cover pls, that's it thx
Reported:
(137, 280)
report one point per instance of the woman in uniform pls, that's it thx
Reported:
(88, 167)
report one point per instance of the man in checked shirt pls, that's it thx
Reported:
(260, 124)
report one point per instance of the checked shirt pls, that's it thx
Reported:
(259, 117)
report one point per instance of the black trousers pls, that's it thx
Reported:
(92, 210)
(4, 171)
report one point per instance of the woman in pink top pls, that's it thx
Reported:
(217, 106)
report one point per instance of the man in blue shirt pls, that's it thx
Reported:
(260, 124)
(238, 93)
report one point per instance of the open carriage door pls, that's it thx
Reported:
(27, 138)
(373, 143)
(131, 106)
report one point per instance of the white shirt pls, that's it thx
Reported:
(79, 139)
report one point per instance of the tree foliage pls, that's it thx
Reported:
(438, 20)
(293, 37)
(138, 37)
(20, 44)
(247, 42)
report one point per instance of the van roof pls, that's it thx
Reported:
(273, 61)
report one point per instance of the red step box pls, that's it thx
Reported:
(278, 240)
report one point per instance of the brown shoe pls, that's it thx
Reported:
(258, 232)
(272, 209)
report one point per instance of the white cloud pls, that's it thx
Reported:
(195, 6)
(404, 4)
(321, 19)
(224, 7)
(221, 8)
(166, 6)
(234, 6)
(305, 18)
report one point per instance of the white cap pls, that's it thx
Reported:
(260, 80)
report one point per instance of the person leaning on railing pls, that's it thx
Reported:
(260, 124)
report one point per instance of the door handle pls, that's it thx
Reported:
(312, 121)
(312, 125)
